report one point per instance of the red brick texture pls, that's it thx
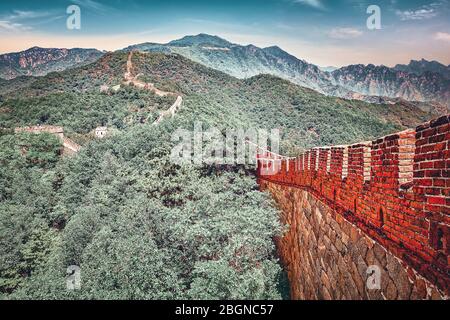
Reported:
(395, 189)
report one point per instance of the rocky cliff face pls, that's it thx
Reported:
(423, 66)
(39, 61)
(382, 81)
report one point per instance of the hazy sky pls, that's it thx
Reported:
(324, 32)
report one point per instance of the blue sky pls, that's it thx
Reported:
(325, 32)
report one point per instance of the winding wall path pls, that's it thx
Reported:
(133, 80)
(70, 147)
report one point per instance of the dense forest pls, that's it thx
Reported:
(139, 226)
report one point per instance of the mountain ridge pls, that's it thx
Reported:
(421, 81)
(419, 67)
(263, 100)
(200, 39)
(374, 80)
(37, 61)
(247, 61)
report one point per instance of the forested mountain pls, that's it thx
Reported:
(421, 81)
(41, 61)
(355, 81)
(245, 61)
(210, 95)
(138, 225)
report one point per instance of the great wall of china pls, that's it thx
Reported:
(70, 147)
(133, 80)
(352, 210)
(356, 210)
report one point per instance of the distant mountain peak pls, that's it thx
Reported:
(419, 67)
(280, 53)
(37, 61)
(423, 61)
(275, 50)
(200, 40)
(354, 81)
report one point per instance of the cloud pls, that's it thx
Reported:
(20, 21)
(92, 5)
(312, 3)
(345, 33)
(24, 15)
(9, 26)
(420, 14)
(427, 11)
(442, 36)
(20, 16)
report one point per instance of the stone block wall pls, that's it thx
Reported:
(394, 190)
(329, 258)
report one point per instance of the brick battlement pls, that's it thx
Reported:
(395, 189)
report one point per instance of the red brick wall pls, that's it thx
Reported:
(395, 189)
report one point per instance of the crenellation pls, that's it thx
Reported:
(313, 160)
(345, 162)
(395, 189)
(307, 161)
(367, 159)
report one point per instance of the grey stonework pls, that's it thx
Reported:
(328, 258)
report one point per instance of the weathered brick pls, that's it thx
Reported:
(408, 191)
(438, 122)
